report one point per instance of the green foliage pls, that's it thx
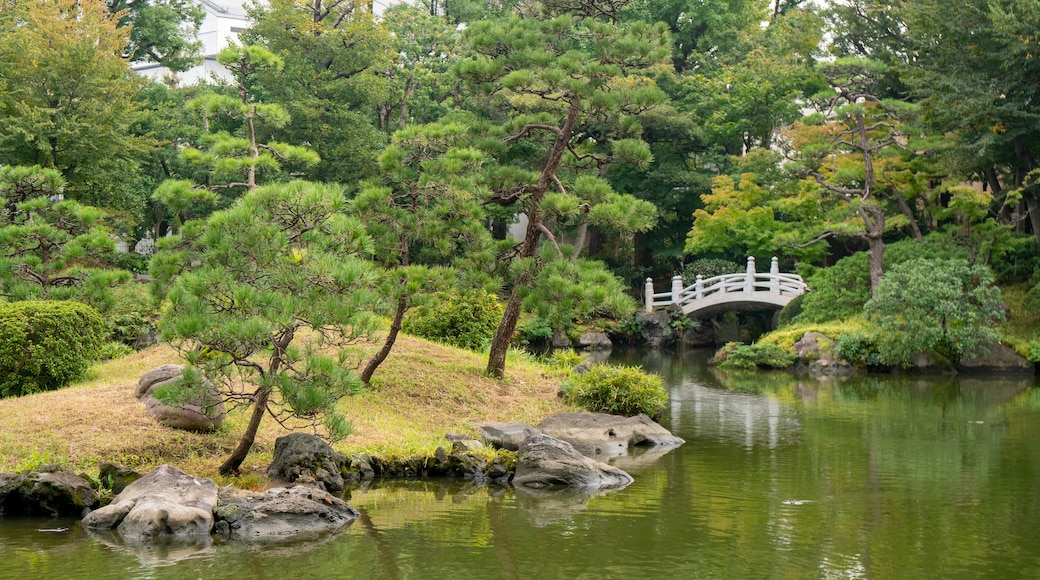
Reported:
(842, 289)
(262, 292)
(564, 292)
(130, 313)
(535, 330)
(49, 247)
(564, 359)
(115, 350)
(1033, 351)
(860, 348)
(945, 307)
(68, 98)
(735, 355)
(464, 320)
(45, 345)
(838, 291)
(791, 311)
(709, 268)
(616, 389)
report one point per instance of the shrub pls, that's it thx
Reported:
(620, 390)
(466, 321)
(535, 330)
(113, 350)
(563, 359)
(946, 307)
(45, 345)
(735, 355)
(130, 314)
(859, 348)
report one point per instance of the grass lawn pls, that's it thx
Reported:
(421, 392)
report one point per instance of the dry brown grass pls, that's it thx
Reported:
(422, 391)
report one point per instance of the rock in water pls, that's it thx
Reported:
(597, 434)
(303, 458)
(166, 503)
(281, 514)
(544, 461)
(50, 493)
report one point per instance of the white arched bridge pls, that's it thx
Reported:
(744, 291)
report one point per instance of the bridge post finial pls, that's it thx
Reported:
(774, 276)
(676, 289)
(698, 287)
(749, 281)
(649, 291)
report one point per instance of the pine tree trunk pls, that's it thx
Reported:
(388, 344)
(232, 464)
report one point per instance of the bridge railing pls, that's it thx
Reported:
(738, 286)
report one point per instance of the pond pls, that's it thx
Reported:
(782, 476)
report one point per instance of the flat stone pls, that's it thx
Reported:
(601, 434)
(505, 435)
(595, 341)
(282, 514)
(544, 462)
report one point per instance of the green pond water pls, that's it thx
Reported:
(781, 477)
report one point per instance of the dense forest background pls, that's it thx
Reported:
(619, 139)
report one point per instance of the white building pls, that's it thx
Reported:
(224, 20)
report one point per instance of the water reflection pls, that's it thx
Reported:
(782, 476)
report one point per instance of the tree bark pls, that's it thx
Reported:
(388, 344)
(230, 467)
(496, 366)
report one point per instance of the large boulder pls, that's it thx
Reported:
(816, 351)
(304, 458)
(600, 434)
(47, 493)
(997, 358)
(281, 514)
(166, 503)
(545, 462)
(655, 329)
(505, 435)
(203, 412)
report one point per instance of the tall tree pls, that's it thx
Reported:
(335, 56)
(419, 86)
(567, 93)
(68, 98)
(422, 212)
(278, 281)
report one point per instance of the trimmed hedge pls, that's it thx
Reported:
(46, 344)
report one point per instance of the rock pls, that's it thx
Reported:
(116, 477)
(655, 328)
(544, 461)
(204, 411)
(50, 493)
(997, 358)
(600, 434)
(699, 334)
(812, 345)
(505, 435)
(595, 341)
(463, 442)
(304, 458)
(561, 340)
(164, 503)
(154, 376)
(281, 514)
(829, 364)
